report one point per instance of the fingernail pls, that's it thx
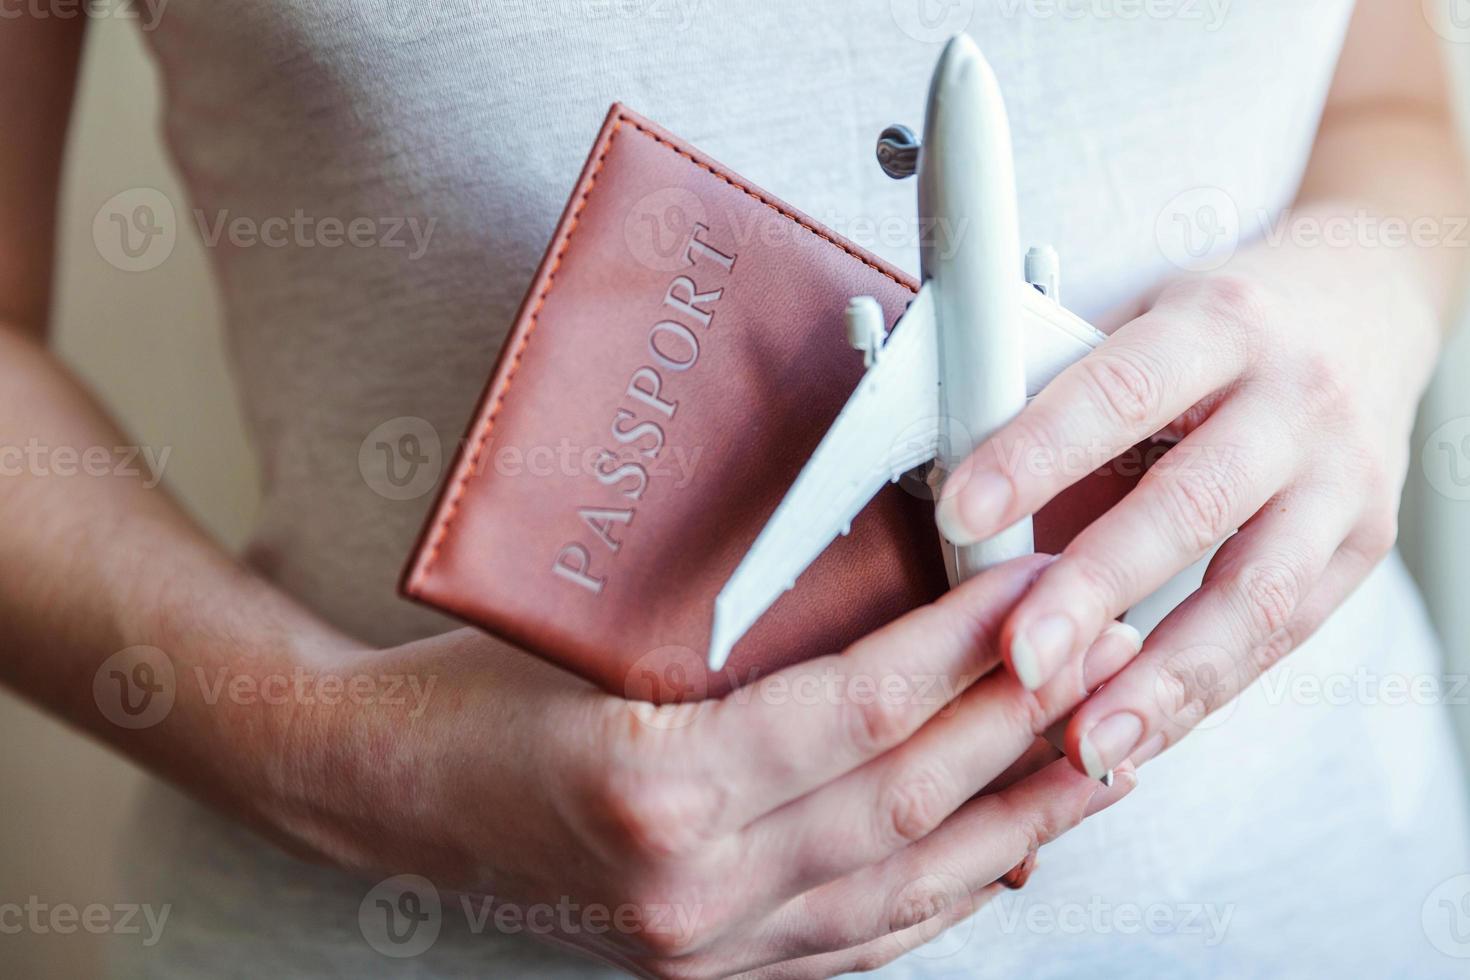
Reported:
(1125, 781)
(1041, 648)
(1109, 742)
(1113, 651)
(972, 505)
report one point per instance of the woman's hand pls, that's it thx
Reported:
(828, 815)
(1292, 378)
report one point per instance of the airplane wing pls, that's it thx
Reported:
(1055, 338)
(888, 426)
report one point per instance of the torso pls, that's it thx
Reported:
(475, 117)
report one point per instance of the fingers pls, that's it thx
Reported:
(1134, 385)
(880, 952)
(804, 726)
(980, 843)
(904, 796)
(1266, 591)
(1192, 499)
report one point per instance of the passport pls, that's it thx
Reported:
(680, 353)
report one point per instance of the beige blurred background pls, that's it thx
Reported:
(152, 347)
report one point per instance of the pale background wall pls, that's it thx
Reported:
(151, 345)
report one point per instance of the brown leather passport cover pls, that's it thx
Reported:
(679, 355)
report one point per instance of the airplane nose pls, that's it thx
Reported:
(962, 66)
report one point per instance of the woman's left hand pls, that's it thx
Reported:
(1291, 378)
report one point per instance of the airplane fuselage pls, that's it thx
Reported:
(967, 185)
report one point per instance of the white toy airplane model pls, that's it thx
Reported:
(974, 344)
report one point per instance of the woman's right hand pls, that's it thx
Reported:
(824, 820)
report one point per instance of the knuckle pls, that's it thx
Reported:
(657, 818)
(1271, 590)
(876, 723)
(1199, 498)
(1124, 386)
(872, 960)
(1268, 654)
(1379, 533)
(1185, 699)
(1237, 302)
(1097, 578)
(1026, 711)
(670, 950)
(1033, 826)
(914, 804)
(1321, 390)
(921, 901)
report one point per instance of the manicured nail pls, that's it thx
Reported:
(1109, 742)
(1114, 650)
(972, 505)
(1040, 649)
(1124, 783)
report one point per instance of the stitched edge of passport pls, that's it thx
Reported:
(470, 469)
